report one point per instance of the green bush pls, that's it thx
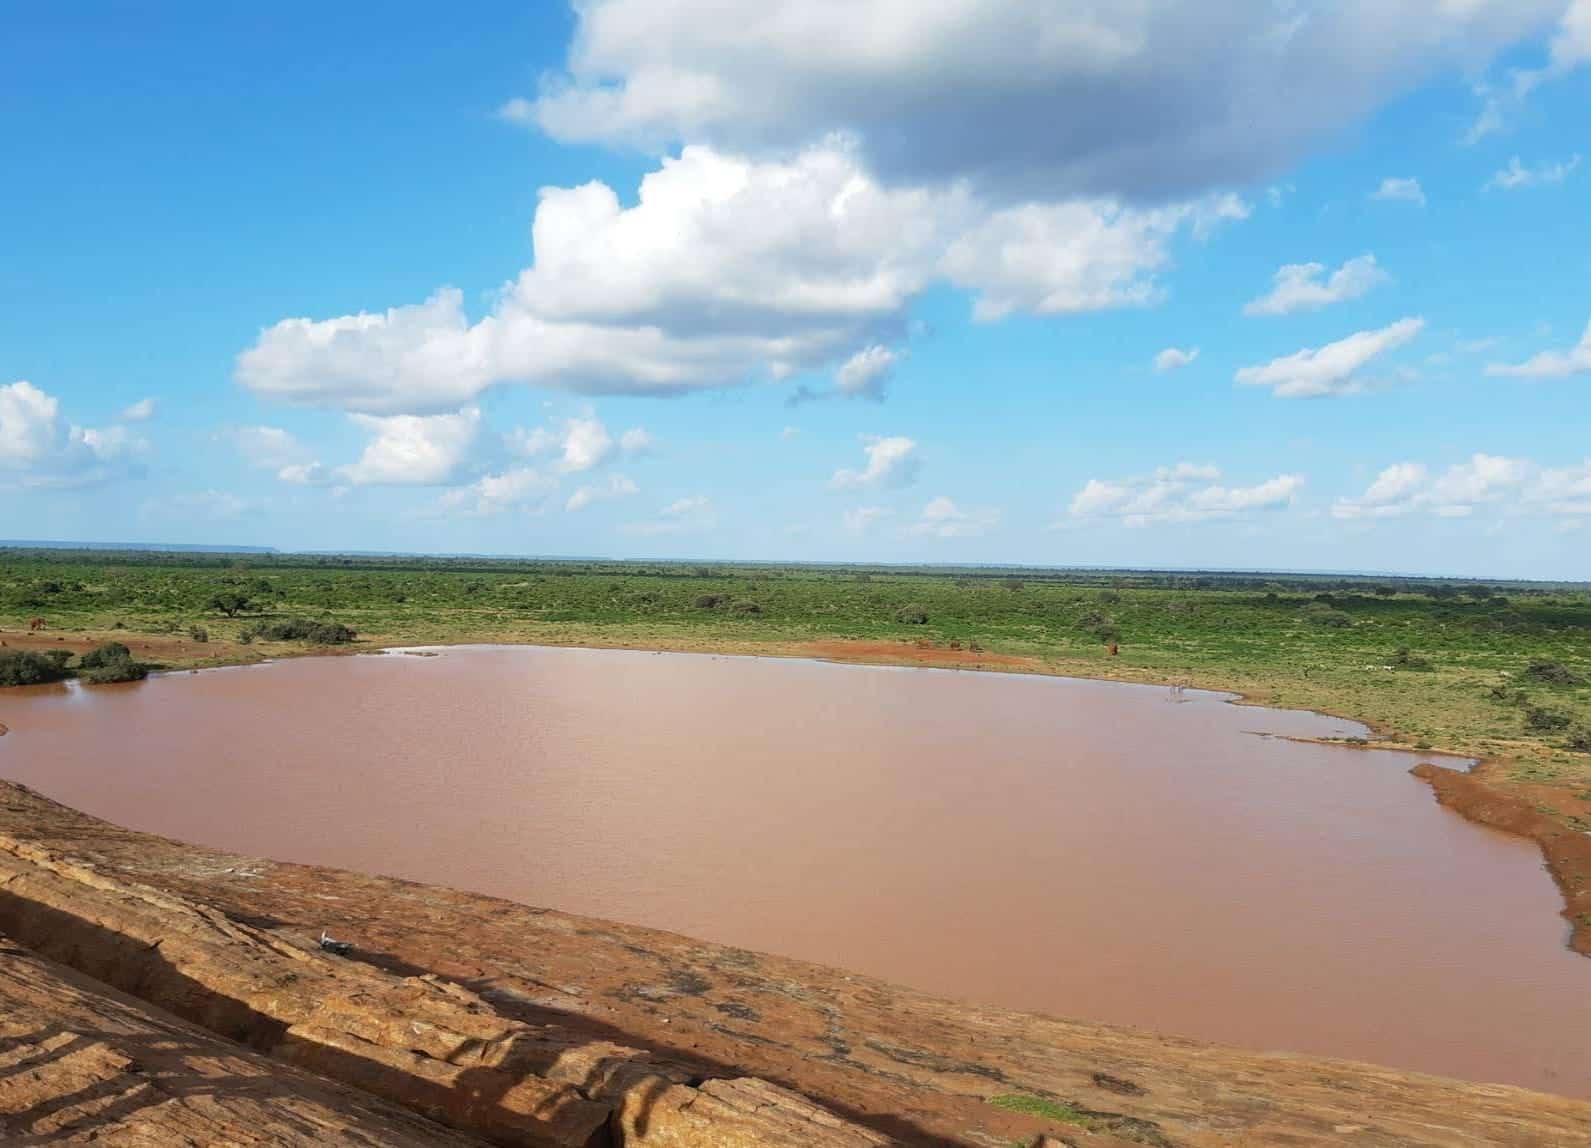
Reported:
(302, 630)
(112, 662)
(1402, 659)
(198, 633)
(111, 653)
(1320, 614)
(230, 602)
(912, 615)
(745, 607)
(25, 668)
(1544, 720)
(1551, 674)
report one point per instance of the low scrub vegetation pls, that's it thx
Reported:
(1551, 674)
(112, 662)
(26, 668)
(303, 630)
(1322, 614)
(1404, 659)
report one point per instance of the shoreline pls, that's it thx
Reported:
(1480, 797)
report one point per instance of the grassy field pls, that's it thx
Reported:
(1429, 664)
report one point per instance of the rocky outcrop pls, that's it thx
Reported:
(429, 1045)
(529, 1026)
(81, 1063)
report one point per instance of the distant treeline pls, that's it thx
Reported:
(1381, 584)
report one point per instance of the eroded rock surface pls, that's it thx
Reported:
(531, 1026)
(81, 1063)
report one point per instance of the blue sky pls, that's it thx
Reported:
(1252, 284)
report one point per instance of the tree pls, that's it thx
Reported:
(230, 602)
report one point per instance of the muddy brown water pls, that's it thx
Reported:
(1086, 849)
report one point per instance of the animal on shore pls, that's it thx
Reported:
(35, 625)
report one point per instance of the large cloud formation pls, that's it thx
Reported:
(1142, 98)
(826, 163)
(726, 269)
(1186, 492)
(1514, 485)
(39, 448)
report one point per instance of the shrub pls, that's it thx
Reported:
(1544, 720)
(1402, 659)
(25, 668)
(912, 615)
(1013, 584)
(1320, 614)
(1551, 674)
(744, 607)
(112, 662)
(709, 601)
(1580, 739)
(303, 630)
(198, 633)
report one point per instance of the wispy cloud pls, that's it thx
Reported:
(1335, 369)
(1300, 286)
(1404, 190)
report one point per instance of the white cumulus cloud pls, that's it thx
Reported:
(1300, 286)
(141, 411)
(1173, 358)
(495, 493)
(1512, 485)
(1550, 364)
(866, 374)
(1335, 369)
(1083, 255)
(413, 450)
(40, 448)
(1407, 190)
(581, 443)
(1186, 492)
(891, 461)
(726, 270)
(942, 518)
